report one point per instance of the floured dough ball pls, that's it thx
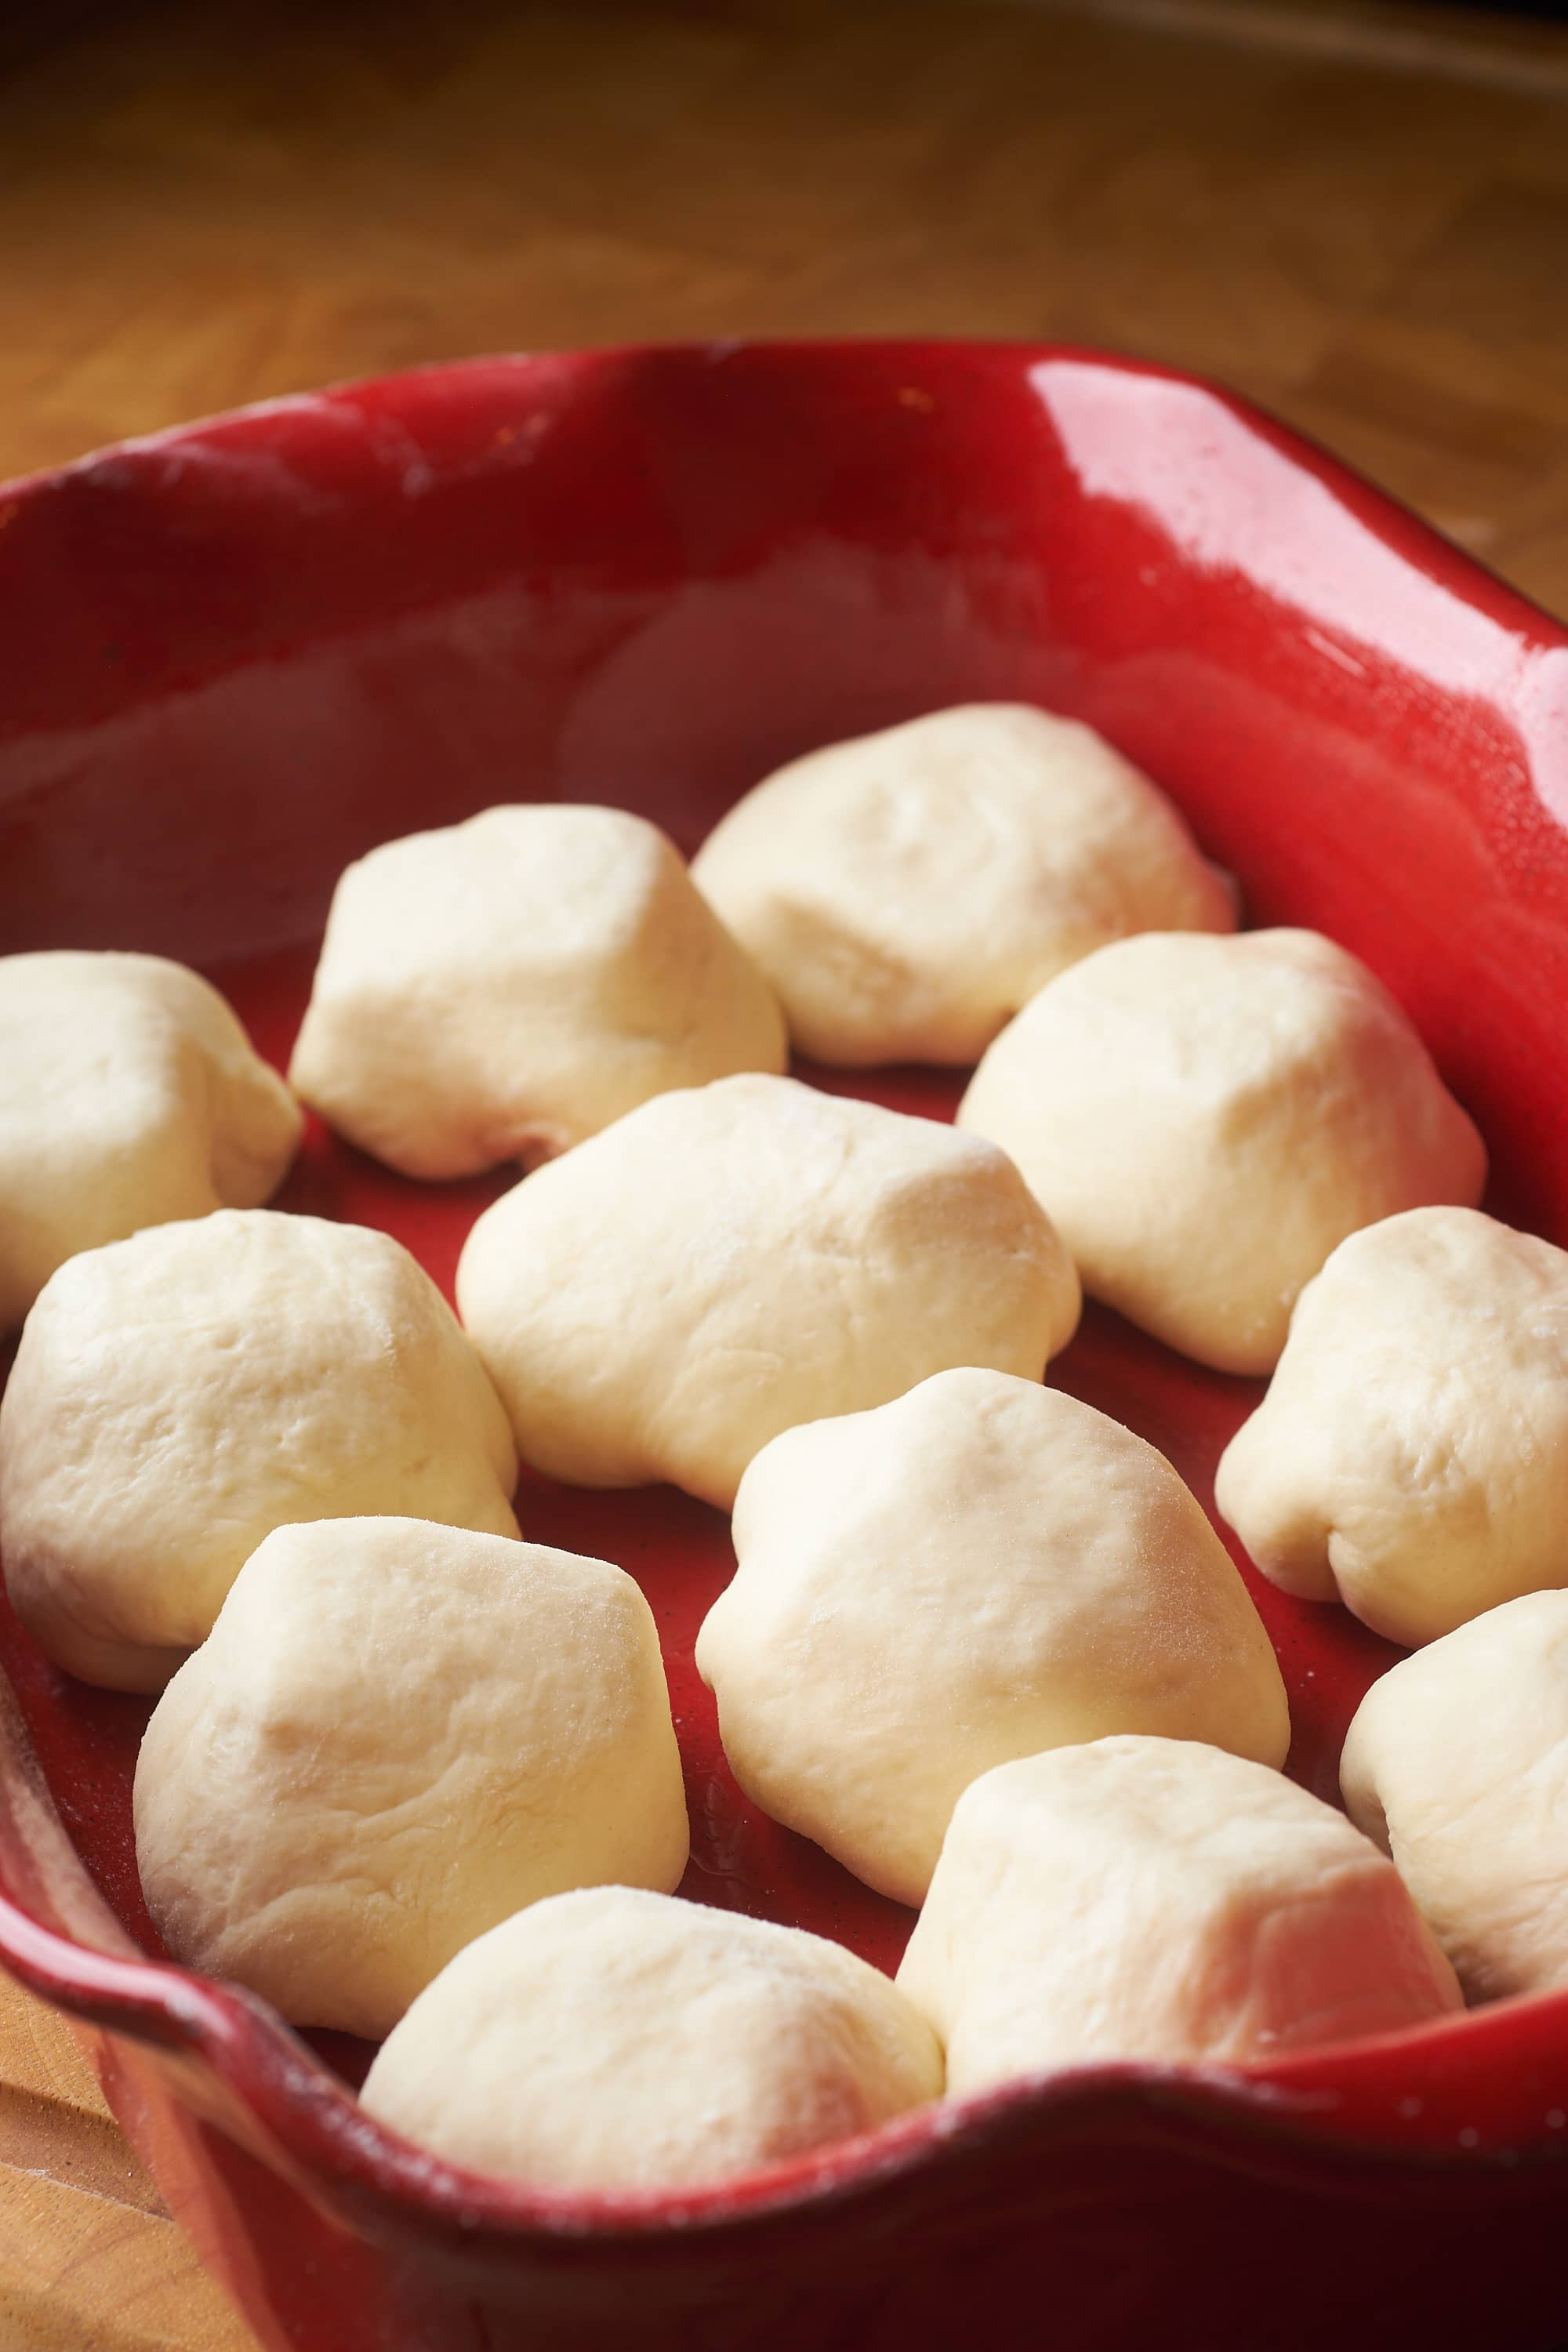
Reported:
(1457, 1763)
(501, 989)
(906, 893)
(983, 1568)
(178, 1395)
(395, 1736)
(1205, 1119)
(724, 1263)
(128, 1095)
(1157, 1899)
(617, 2040)
(1411, 1456)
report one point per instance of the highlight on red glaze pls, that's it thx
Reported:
(233, 657)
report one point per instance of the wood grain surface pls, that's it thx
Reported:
(1358, 213)
(89, 2262)
(199, 206)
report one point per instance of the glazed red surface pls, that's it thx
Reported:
(236, 656)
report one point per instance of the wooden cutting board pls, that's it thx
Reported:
(90, 2261)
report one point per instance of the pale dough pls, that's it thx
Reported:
(1411, 1456)
(1457, 1763)
(1204, 1119)
(502, 989)
(395, 1736)
(983, 1568)
(178, 1395)
(907, 892)
(617, 2040)
(726, 1261)
(128, 1095)
(1156, 1899)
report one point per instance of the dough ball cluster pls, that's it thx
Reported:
(907, 893)
(128, 1096)
(396, 1736)
(1411, 1456)
(982, 1570)
(1158, 1899)
(177, 1396)
(726, 1261)
(503, 988)
(1205, 1119)
(412, 1776)
(617, 2040)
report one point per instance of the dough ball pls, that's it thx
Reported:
(1411, 1456)
(1205, 1119)
(724, 1263)
(1457, 1764)
(1158, 1899)
(503, 988)
(618, 2039)
(178, 1395)
(396, 1735)
(907, 892)
(983, 1569)
(128, 1095)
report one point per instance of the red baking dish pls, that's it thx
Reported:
(233, 658)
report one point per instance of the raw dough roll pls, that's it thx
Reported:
(1457, 1763)
(396, 1736)
(178, 1395)
(1156, 1899)
(1411, 1457)
(724, 1263)
(907, 892)
(983, 1568)
(501, 989)
(128, 1095)
(615, 2040)
(1205, 1119)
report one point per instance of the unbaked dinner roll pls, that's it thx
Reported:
(1157, 1899)
(726, 1261)
(395, 1736)
(1411, 1456)
(616, 2040)
(907, 892)
(128, 1095)
(1457, 1763)
(983, 1568)
(1205, 1119)
(502, 988)
(178, 1395)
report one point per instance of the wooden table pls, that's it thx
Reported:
(89, 2262)
(1356, 213)
(199, 206)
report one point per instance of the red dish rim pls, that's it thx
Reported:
(320, 2123)
(1284, 2112)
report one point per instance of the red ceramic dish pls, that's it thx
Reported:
(235, 656)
